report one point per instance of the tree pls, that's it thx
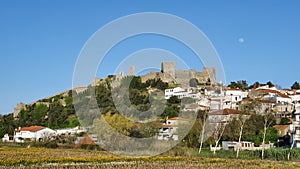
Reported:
(120, 123)
(193, 82)
(270, 84)
(243, 116)
(170, 112)
(192, 138)
(150, 129)
(218, 132)
(255, 85)
(268, 119)
(2, 131)
(295, 86)
(39, 113)
(173, 100)
(204, 117)
(284, 121)
(241, 84)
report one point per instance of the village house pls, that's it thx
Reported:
(169, 128)
(282, 129)
(70, 131)
(274, 95)
(224, 98)
(295, 128)
(8, 138)
(233, 145)
(181, 93)
(236, 95)
(33, 133)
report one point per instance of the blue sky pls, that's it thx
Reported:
(41, 40)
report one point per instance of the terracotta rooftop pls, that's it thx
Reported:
(174, 118)
(31, 128)
(274, 91)
(87, 140)
(281, 127)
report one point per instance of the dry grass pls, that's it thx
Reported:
(72, 158)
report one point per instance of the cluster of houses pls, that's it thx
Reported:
(224, 103)
(39, 133)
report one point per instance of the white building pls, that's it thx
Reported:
(181, 93)
(225, 99)
(235, 95)
(70, 131)
(275, 95)
(295, 128)
(233, 145)
(8, 138)
(33, 133)
(168, 130)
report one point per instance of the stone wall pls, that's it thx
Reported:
(170, 75)
(165, 77)
(169, 68)
(18, 108)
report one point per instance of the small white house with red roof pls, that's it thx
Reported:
(8, 138)
(169, 128)
(33, 133)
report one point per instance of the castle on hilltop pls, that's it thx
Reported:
(169, 74)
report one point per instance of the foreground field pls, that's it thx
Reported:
(72, 158)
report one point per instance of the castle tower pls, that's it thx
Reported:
(96, 81)
(211, 73)
(168, 68)
(131, 72)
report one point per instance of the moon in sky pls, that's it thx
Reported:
(241, 40)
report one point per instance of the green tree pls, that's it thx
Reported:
(241, 84)
(285, 121)
(2, 130)
(150, 129)
(192, 138)
(193, 82)
(174, 100)
(170, 112)
(271, 135)
(255, 85)
(39, 113)
(295, 86)
(270, 84)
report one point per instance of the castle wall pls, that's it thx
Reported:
(169, 68)
(210, 73)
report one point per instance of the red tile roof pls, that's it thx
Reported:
(281, 127)
(87, 140)
(31, 128)
(274, 91)
(174, 118)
